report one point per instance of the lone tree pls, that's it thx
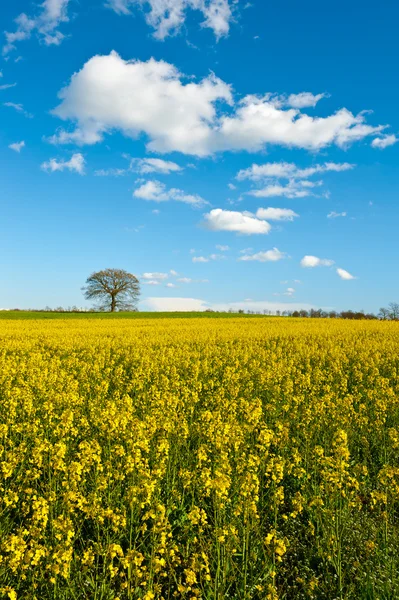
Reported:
(113, 289)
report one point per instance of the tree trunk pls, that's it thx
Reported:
(113, 303)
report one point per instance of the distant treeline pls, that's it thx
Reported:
(385, 314)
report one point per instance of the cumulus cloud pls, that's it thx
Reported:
(345, 275)
(276, 214)
(222, 248)
(157, 191)
(314, 261)
(269, 256)
(76, 163)
(238, 222)
(304, 99)
(45, 24)
(151, 276)
(384, 142)
(17, 146)
(179, 114)
(167, 16)
(335, 215)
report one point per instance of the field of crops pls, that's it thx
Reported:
(199, 458)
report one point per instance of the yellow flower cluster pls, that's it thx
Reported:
(245, 459)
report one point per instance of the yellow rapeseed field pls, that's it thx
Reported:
(199, 458)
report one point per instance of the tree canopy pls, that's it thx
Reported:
(113, 290)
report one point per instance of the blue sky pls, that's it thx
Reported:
(230, 154)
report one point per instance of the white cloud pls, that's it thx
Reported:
(173, 272)
(19, 108)
(45, 24)
(289, 292)
(178, 114)
(315, 261)
(344, 274)
(151, 282)
(203, 259)
(231, 186)
(284, 170)
(7, 86)
(151, 276)
(156, 165)
(167, 16)
(261, 306)
(75, 163)
(157, 191)
(150, 97)
(222, 248)
(304, 99)
(171, 285)
(195, 304)
(17, 146)
(292, 190)
(175, 304)
(276, 214)
(239, 222)
(384, 142)
(335, 215)
(269, 256)
(142, 166)
(185, 280)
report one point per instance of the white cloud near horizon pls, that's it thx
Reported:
(157, 192)
(75, 164)
(178, 114)
(273, 255)
(310, 261)
(45, 24)
(195, 304)
(166, 17)
(17, 146)
(345, 274)
(239, 222)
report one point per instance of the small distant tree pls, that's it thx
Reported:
(393, 311)
(384, 314)
(113, 290)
